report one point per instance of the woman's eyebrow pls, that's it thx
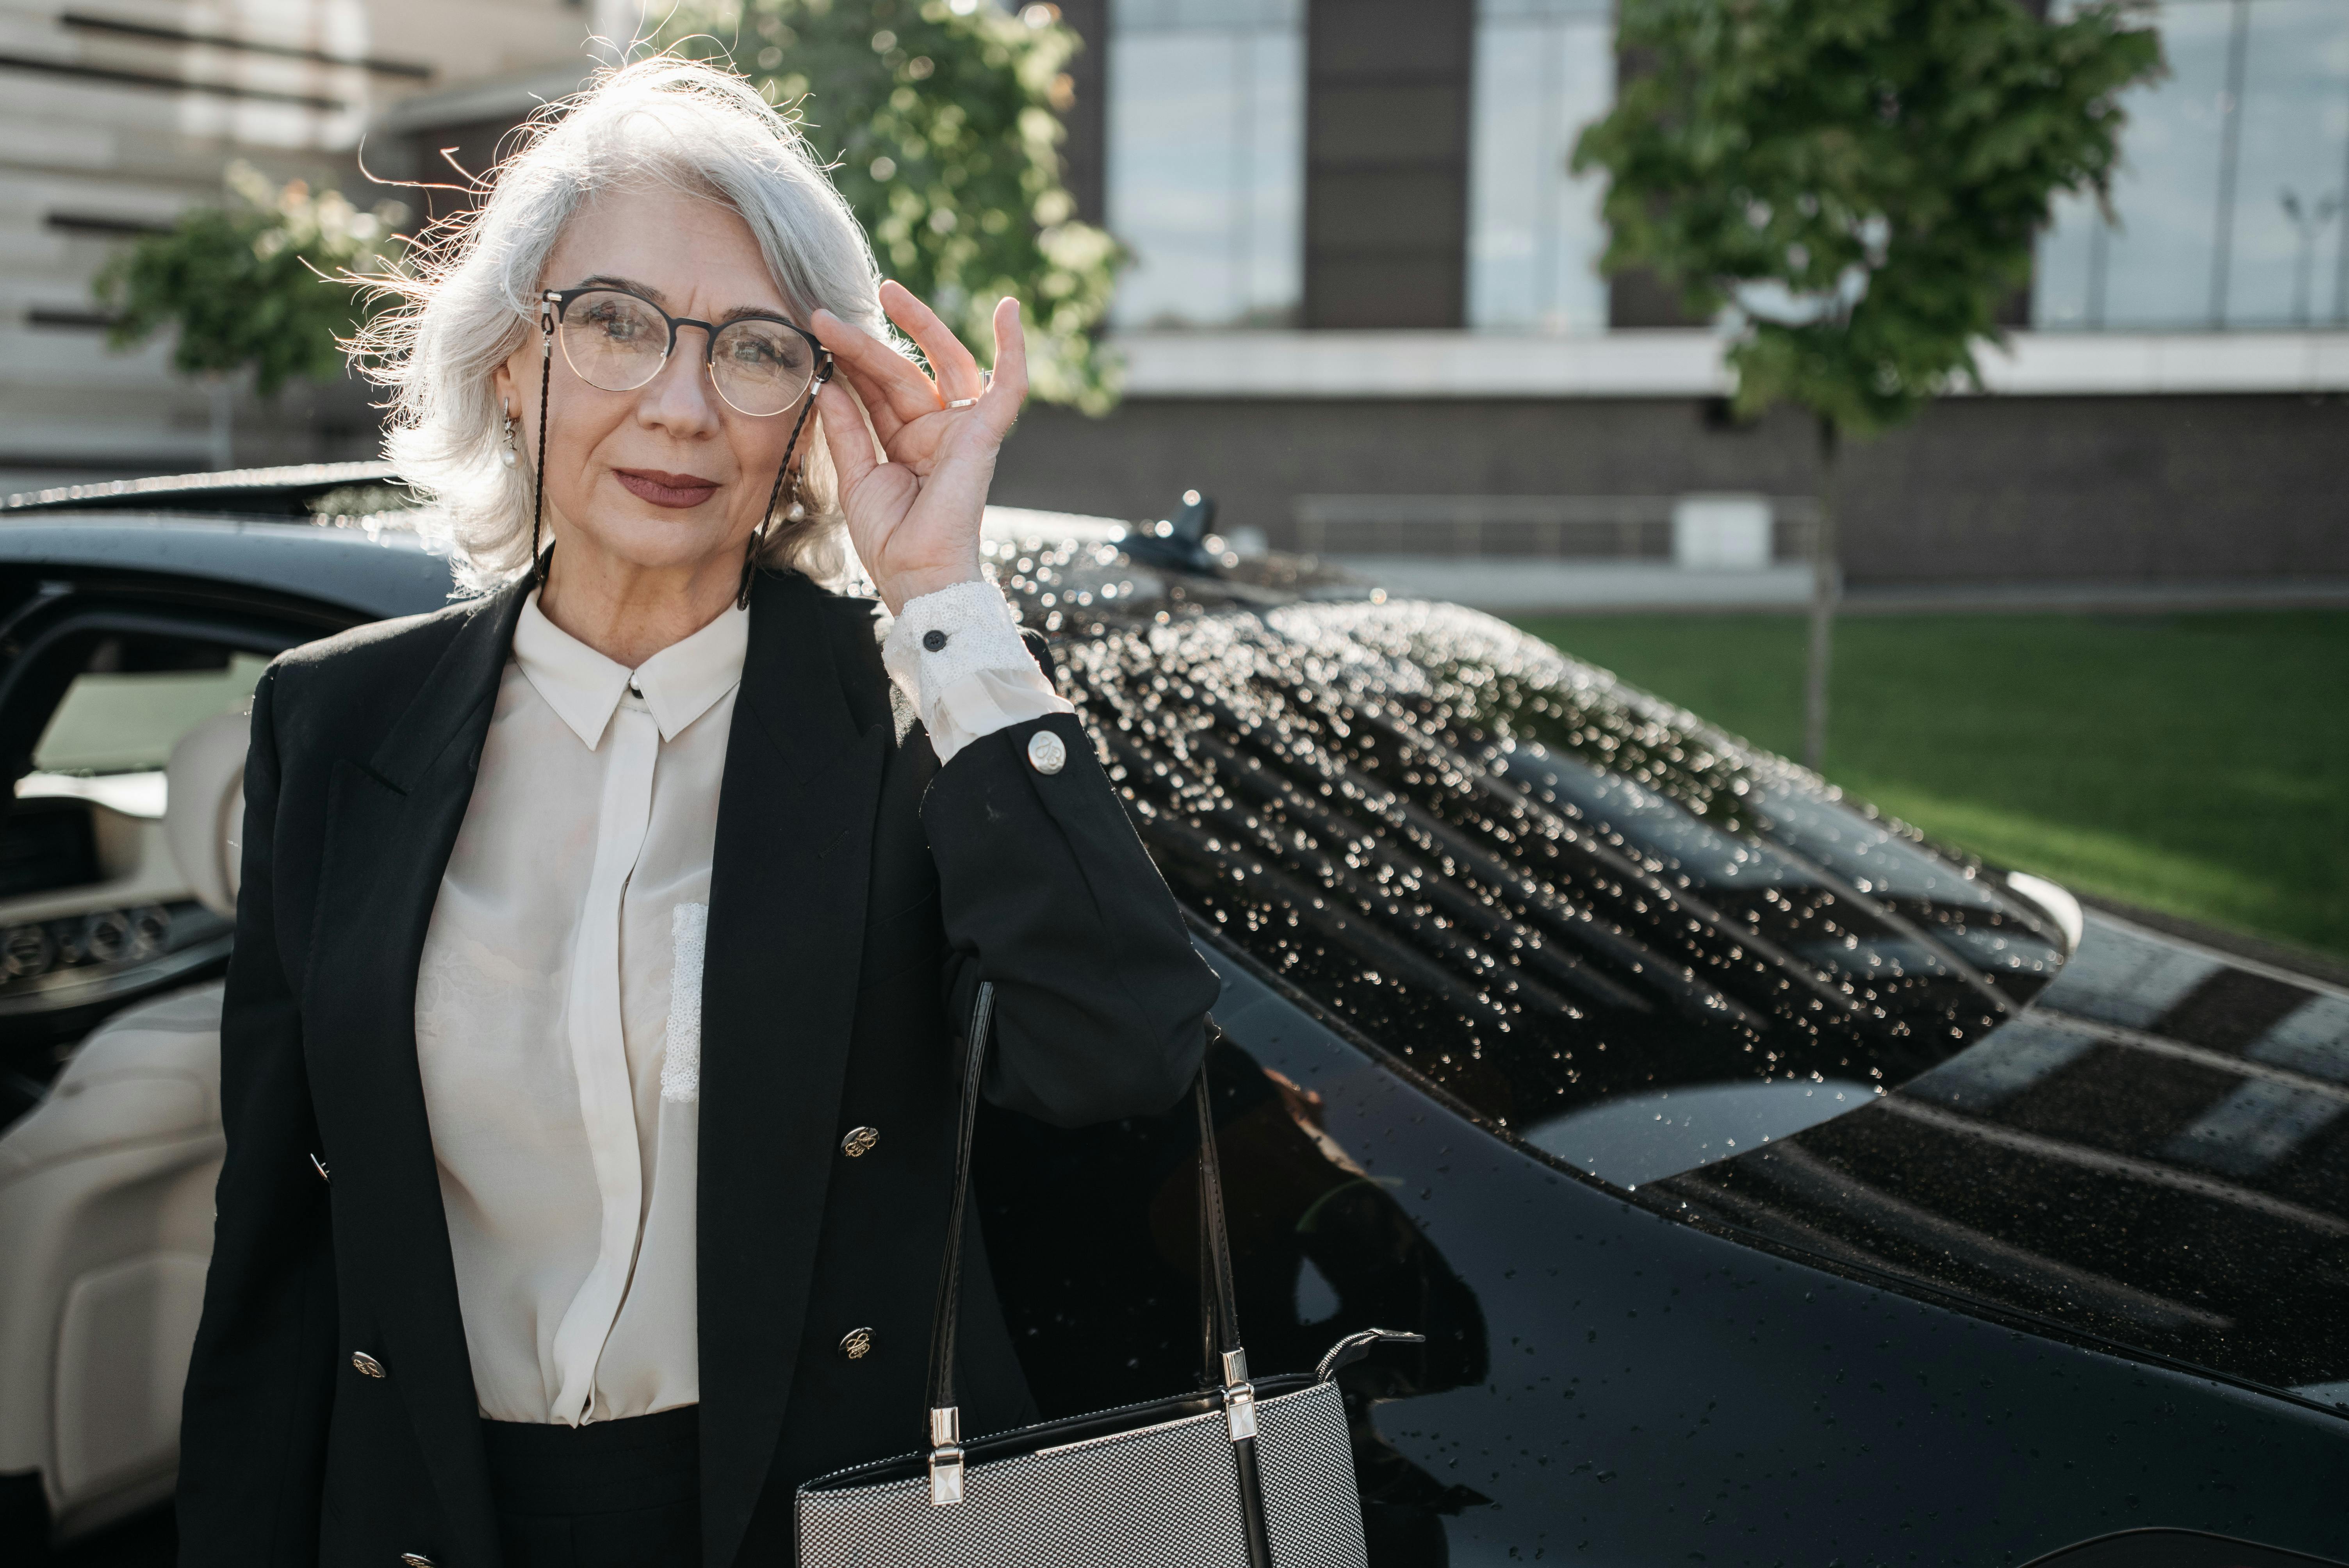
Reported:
(607, 281)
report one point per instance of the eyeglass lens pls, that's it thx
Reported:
(618, 342)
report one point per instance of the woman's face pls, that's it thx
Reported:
(668, 474)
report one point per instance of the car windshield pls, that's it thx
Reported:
(1609, 929)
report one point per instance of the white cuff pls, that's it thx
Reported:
(957, 653)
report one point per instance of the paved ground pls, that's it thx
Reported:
(1533, 586)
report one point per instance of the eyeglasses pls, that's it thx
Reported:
(618, 341)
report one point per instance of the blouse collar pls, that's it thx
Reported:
(678, 685)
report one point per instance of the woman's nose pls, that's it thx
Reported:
(682, 395)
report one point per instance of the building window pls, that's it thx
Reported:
(1206, 160)
(1545, 69)
(2229, 196)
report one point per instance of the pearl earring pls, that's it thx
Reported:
(507, 456)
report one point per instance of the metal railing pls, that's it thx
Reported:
(1541, 527)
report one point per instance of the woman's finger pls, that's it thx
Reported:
(877, 406)
(846, 435)
(881, 373)
(950, 362)
(1007, 389)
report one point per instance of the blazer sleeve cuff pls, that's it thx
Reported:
(957, 654)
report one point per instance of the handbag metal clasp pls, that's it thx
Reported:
(946, 1475)
(1239, 1410)
(1240, 1397)
(946, 1455)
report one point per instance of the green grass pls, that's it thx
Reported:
(2197, 764)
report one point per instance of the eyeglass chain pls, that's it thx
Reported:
(775, 497)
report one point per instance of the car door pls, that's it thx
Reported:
(115, 901)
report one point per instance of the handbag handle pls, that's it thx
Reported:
(1219, 1330)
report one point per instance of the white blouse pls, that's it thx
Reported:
(558, 999)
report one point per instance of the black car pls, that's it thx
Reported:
(1771, 1186)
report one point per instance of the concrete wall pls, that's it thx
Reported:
(1983, 489)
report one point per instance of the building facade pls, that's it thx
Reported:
(1364, 310)
(116, 115)
(1365, 315)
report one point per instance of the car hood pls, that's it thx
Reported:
(1637, 946)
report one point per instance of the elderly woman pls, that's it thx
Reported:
(587, 1050)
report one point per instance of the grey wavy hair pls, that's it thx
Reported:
(469, 296)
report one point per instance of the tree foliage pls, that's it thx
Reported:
(1859, 180)
(261, 281)
(943, 119)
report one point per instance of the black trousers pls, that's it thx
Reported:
(611, 1494)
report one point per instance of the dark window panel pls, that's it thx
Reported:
(1084, 156)
(1386, 162)
(1392, 291)
(1399, 38)
(1415, 122)
(1361, 213)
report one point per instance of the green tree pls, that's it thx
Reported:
(943, 119)
(1857, 184)
(259, 284)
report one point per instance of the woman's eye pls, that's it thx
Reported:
(615, 321)
(756, 353)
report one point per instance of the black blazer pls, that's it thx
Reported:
(858, 894)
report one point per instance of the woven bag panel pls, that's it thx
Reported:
(1312, 1509)
(1163, 1497)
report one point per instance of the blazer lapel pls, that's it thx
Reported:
(787, 894)
(392, 823)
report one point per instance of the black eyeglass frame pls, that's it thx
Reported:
(560, 299)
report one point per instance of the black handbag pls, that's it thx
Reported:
(1241, 1474)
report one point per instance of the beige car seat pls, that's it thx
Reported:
(106, 1205)
(204, 815)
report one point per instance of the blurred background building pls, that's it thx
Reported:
(1363, 311)
(114, 115)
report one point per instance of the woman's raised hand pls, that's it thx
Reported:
(914, 508)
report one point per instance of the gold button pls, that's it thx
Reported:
(366, 1363)
(860, 1141)
(856, 1344)
(415, 1561)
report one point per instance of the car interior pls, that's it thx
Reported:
(118, 885)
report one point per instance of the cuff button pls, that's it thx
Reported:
(366, 1364)
(935, 640)
(1047, 753)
